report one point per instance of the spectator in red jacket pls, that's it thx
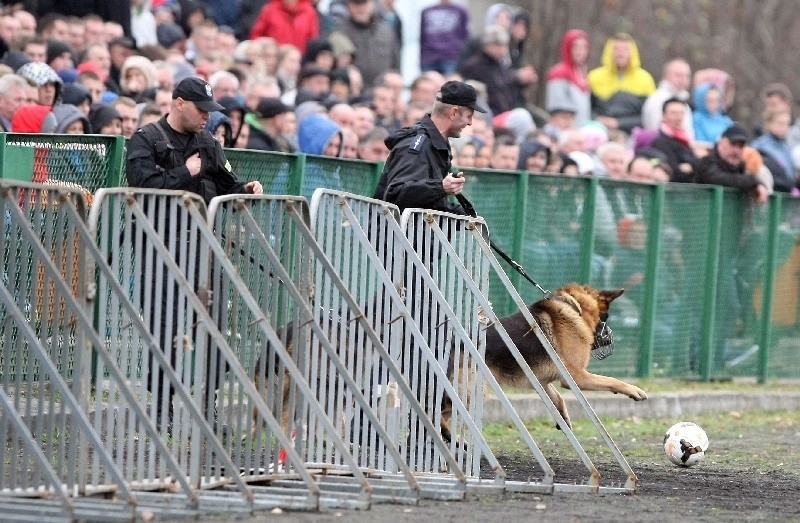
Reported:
(288, 22)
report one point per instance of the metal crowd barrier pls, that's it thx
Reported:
(161, 360)
(157, 238)
(456, 250)
(269, 241)
(54, 453)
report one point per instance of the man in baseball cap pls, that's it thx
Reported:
(461, 94)
(196, 90)
(177, 153)
(417, 172)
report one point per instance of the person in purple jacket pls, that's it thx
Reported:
(444, 27)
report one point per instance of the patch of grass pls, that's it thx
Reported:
(756, 440)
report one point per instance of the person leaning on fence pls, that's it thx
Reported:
(177, 153)
(417, 171)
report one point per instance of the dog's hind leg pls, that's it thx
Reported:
(558, 401)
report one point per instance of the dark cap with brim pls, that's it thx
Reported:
(197, 91)
(459, 93)
(736, 133)
(271, 107)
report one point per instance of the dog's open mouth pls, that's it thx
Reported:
(603, 345)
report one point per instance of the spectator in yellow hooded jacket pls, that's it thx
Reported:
(620, 85)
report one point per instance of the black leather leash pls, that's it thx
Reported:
(470, 210)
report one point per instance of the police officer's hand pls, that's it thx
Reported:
(453, 184)
(254, 188)
(194, 163)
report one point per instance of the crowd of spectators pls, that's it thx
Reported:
(294, 79)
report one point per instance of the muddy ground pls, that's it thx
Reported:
(724, 487)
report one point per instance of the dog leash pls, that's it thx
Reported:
(603, 344)
(470, 210)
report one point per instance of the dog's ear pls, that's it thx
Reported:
(612, 295)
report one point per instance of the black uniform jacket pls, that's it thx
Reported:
(419, 159)
(157, 155)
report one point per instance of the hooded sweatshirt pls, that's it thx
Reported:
(567, 83)
(66, 115)
(708, 127)
(620, 93)
(315, 132)
(217, 119)
(33, 118)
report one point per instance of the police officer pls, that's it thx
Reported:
(175, 152)
(417, 172)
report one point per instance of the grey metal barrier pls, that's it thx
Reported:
(209, 326)
(457, 320)
(363, 240)
(50, 448)
(269, 240)
(593, 483)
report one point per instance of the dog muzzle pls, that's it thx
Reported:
(603, 345)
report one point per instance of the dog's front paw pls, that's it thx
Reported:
(637, 394)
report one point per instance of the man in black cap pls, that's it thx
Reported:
(725, 165)
(417, 172)
(268, 126)
(176, 152)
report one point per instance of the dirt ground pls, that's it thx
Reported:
(724, 487)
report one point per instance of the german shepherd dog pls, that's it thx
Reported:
(570, 319)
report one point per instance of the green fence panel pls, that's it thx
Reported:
(623, 214)
(783, 360)
(279, 173)
(494, 194)
(552, 248)
(353, 176)
(91, 161)
(743, 254)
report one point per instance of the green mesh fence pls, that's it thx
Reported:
(495, 195)
(742, 253)
(711, 281)
(352, 176)
(279, 173)
(91, 161)
(782, 358)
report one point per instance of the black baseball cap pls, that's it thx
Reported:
(736, 133)
(459, 93)
(271, 107)
(197, 90)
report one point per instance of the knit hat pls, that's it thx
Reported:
(169, 34)
(100, 115)
(75, 94)
(56, 48)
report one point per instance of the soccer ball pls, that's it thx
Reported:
(685, 444)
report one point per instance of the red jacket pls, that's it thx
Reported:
(294, 25)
